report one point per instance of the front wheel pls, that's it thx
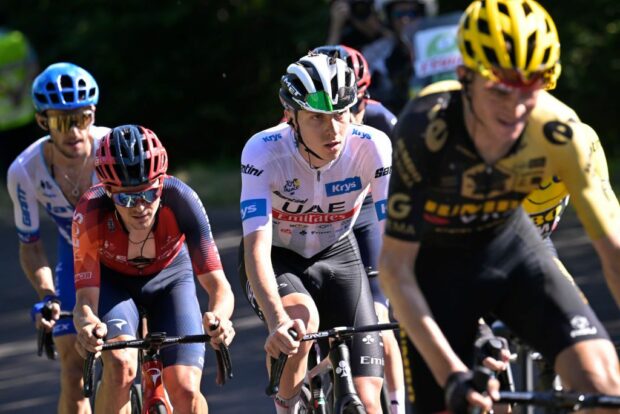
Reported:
(135, 397)
(158, 408)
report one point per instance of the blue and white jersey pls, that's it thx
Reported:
(30, 182)
(306, 209)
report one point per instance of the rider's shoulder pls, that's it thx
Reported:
(269, 136)
(550, 109)
(367, 135)
(267, 142)
(98, 132)
(27, 159)
(94, 199)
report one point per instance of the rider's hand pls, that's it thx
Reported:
(90, 337)
(223, 333)
(280, 341)
(52, 304)
(498, 365)
(460, 393)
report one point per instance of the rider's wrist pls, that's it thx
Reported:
(38, 306)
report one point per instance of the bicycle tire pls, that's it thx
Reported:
(158, 408)
(135, 398)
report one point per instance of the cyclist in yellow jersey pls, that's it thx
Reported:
(458, 245)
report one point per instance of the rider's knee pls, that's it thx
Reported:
(120, 368)
(590, 366)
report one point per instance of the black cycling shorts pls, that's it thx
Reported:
(514, 278)
(335, 279)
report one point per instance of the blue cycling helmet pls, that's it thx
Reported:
(64, 86)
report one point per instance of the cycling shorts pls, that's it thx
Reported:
(169, 299)
(65, 288)
(514, 278)
(335, 279)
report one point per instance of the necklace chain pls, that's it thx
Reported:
(75, 191)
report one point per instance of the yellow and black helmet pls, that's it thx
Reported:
(510, 41)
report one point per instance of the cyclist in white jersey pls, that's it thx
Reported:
(303, 184)
(54, 172)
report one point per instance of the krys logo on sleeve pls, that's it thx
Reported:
(253, 208)
(342, 187)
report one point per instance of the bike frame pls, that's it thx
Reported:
(346, 399)
(153, 389)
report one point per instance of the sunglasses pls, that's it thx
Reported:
(516, 79)
(129, 200)
(398, 14)
(64, 123)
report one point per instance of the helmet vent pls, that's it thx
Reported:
(92, 92)
(545, 59)
(526, 8)
(531, 44)
(510, 48)
(469, 49)
(67, 96)
(54, 98)
(503, 9)
(66, 81)
(490, 55)
(483, 27)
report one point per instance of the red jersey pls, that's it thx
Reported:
(99, 237)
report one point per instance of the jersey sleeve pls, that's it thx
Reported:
(193, 222)
(255, 202)
(580, 162)
(85, 233)
(25, 207)
(382, 169)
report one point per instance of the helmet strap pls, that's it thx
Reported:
(301, 140)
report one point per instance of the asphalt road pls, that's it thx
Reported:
(30, 384)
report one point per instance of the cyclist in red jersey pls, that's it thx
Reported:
(139, 237)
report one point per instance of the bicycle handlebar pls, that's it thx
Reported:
(155, 341)
(573, 401)
(45, 340)
(340, 332)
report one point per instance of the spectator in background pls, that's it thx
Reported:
(391, 57)
(355, 23)
(18, 68)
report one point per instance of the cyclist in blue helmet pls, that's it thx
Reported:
(64, 96)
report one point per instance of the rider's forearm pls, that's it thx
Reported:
(35, 265)
(221, 298)
(412, 311)
(608, 249)
(86, 306)
(263, 282)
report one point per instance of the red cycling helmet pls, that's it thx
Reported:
(355, 60)
(130, 155)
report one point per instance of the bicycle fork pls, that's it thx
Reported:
(346, 399)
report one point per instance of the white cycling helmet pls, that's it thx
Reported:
(318, 83)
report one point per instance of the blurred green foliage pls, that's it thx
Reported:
(204, 74)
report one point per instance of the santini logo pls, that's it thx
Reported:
(250, 170)
(342, 187)
(253, 208)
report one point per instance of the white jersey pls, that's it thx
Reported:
(308, 209)
(29, 181)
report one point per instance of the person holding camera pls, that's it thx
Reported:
(354, 23)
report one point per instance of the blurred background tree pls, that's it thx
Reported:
(204, 74)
